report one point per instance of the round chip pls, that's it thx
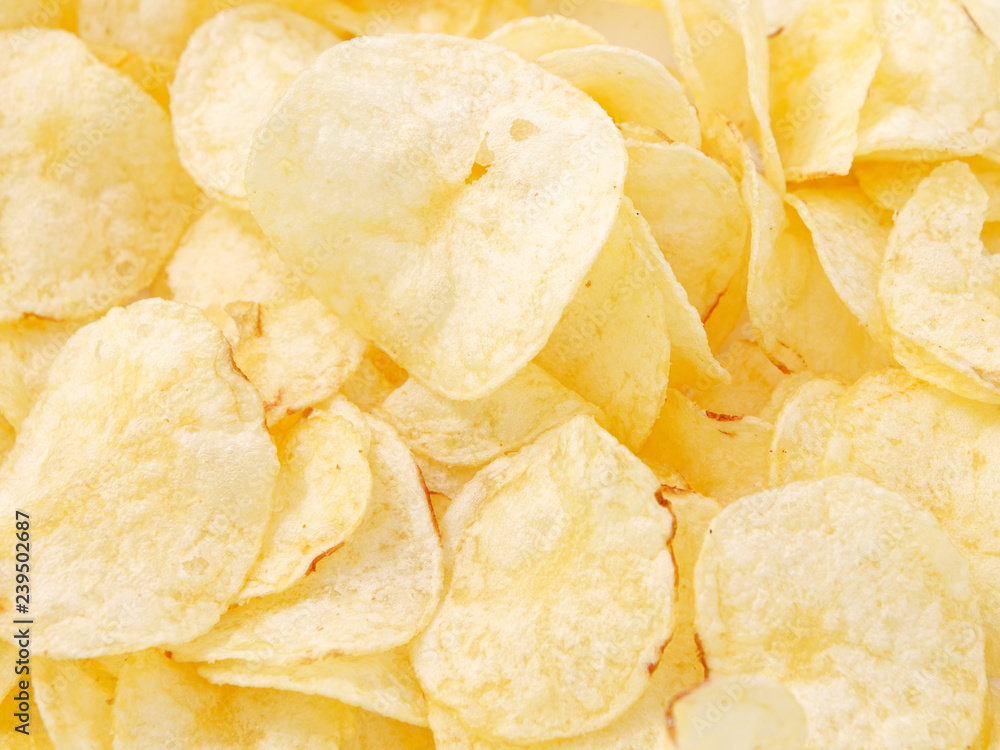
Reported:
(560, 593)
(147, 474)
(234, 69)
(443, 195)
(856, 602)
(535, 36)
(92, 196)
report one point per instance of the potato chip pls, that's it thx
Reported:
(233, 71)
(10, 738)
(754, 379)
(296, 354)
(371, 17)
(856, 602)
(779, 14)
(940, 450)
(145, 434)
(473, 433)
(373, 594)
(151, 27)
(74, 700)
(153, 74)
(821, 66)
(534, 36)
(8, 663)
(802, 431)
(995, 735)
(442, 479)
(7, 437)
(17, 13)
(323, 490)
(631, 86)
(459, 272)
(935, 91)
(939, 287)
(723, 456)
(738, 712)
(695, 212)
(382, 682)
(378, 733)
(187, 711)
(93, 195)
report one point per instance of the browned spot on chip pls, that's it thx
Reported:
(723, 417)
(321, 555)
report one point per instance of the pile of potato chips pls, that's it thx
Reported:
(411, 374)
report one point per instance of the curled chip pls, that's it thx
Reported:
(534, 36)
(940, 287)
(560, 594)
(92, 196)
(146, 435)
(802, 431)
(738, 712)
(443, 195)
(856, 602)
(74, 700)
(373, 594)
(632, 87)
(320, 498)
(234, 69)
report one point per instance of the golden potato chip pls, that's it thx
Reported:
(382, 682)
(233, 71)
(146, 435)
(151, 27)
(461, 268)
(754, 379)
(373, 594)
(295, 353)
(17, 13)
(442, 479)
(473, 433)
(935, 91)
(802, 431)
(94, 198)
(184, 710)
(738, 712)
(8, 663)
(153, 74)
(695, 212)
(378, 732)
(374, 379)
(856, 602)
(940, 450)
(557, 608)
(534, 36)
(631, 86)
(723, 456)
(10, 738)
(7, 436)
(74, 700)
(323, 490)
(940, 288)
(821, 66)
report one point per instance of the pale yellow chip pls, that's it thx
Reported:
(373, 380)
(366, 178)
(151, 27)
(940, 288)
(473, 433)
(738, 712)
(856, 602)
(445, 480)
(379, 732)
(375, 17)
(17, 13)
(754, 380)
(74, 699)
(383, 682)
(802, 431)
(296, 353)
(560, 594)
(153, 74)
(162, 704)
(373, 594)
(723, 456)
(941, 451)
(147, 435)
(7, 438)
(234, 69)
(8, 663)
(934, 93)
(695, 212)
(535, 36)
(822, 64)
(93, 196)
(323, 490)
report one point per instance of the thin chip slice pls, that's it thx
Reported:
(723, 456)
(17, 13)
(821, 67)
(374, 17)
(560, 594)
(93, 197)
(537, 35)
(20, 709)
(323, 490)
(184, 710)
(442, 479)
(7, 437)
(234, 69)
(74, 699)
(379, 732)
(940, 288)
(382, 682)
(153, 74)
(8, 663)
(856, 602)
(802, 432)
(754, 381)
(373, 380)
(373, 594)
(151, 27)
(147, 435)
(631, 86)
(738, 712)
(461, 268)
(473, 433)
